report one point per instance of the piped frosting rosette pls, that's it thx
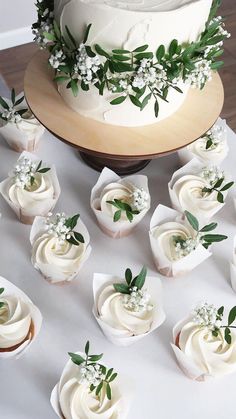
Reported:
(58, 251)
(175, 247)
(22, 133)
(32, 188)
(127, 318)
(119, 204)
(211, 148)
(20, 320)
(233, 267)
(204, 348)
(199, 189)
(74, 398)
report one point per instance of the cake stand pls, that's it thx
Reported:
(123, 149)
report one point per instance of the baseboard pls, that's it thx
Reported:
(15, 37)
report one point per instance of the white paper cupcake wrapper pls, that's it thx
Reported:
(179, 267)
(125, 337)
(43, 207)
(11, 289)
(50, 273)
(233, 267)
(121, 228)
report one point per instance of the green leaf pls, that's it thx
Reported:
(121, 58)
(108, 391)
(216, 65)
(49, 36)
(156, 108)
(147, 55)
(19, 101)
(113, 377)
(232, 316)
(89, 51)
(101, 51)
(39, 165)
(141, 49)
(214, 237)
(128, 276)
(86, 350)
(73, 221)
(129, 215)
(31, 181)
(215, 333)
(209, 227)
(145, 101)
(78, 237)
(208, 143)
(160, 53)
(121, 67)
(71, 240)
(95, 358)
(220, 311)
(13, 96)
(122, 288)
(70, 36)
(219, 183)
(220, 197)
(1, 290)
(109, 372)
(228, 335)
(3, 103)
(118, 100)
(44, 170)
(1, 304)
(227, 186)
(56, 29)
(173, 47)
(121, 51)
(61, 79)
(86, 34)
(76, 359)
(84, 86)
(74, 87)
(65, 68)
(99, 388)
(135, 101)
(117, 216)
(192, 220)
(140, 279)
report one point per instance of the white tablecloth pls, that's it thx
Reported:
(161, 389)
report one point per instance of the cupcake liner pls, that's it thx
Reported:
(165, 266)
(11, 289)
(121, 228)
(124, 383)
(233, 267)
(26, 216)
(50, 273)
(24, 135)
(122, 337)
(186, 364)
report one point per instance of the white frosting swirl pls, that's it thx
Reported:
(211, 354)
(78, 402)
(112, 311)
(41, 190)
(15, 320)
(113, 191)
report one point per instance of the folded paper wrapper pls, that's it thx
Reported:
(185, 155)
(194, 167)
(51, 274)
(26, 216)
(11, 289)
(108, 226)
(24, 135)
(125, 385)
(233, 267)
(161, 215)
(125, 337)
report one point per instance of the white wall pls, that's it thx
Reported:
(16, 17)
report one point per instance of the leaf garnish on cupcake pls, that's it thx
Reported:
(207, 315)
(9, 112)
(215, 178)
(1, 302)
(25, 170)
(63, 228)
(135, 298)
(96, 375)
(137, 202)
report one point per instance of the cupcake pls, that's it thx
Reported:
(129, 309)
(233, 267)
(212, 148)
(119, 204)
(204, 344)
(31, 189)
(178, 243)
(58, 250)
(87, 389)
(199, 190)
(20, 320)
(18, 126)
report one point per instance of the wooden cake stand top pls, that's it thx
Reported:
(197, 114)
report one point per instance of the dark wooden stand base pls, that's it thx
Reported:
(121, 167)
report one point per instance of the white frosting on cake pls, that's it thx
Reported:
(129, 24)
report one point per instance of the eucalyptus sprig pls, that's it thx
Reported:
(122, 207)
(137, 281)
(75, 237)
(205, 239)
(1, 302)
(9, 110)
(231, 319)
(98, 376)
(39, 169)
(217, 187)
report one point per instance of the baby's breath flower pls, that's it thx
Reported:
(137, 301)
(206, 315)
(184, 247)
(139, 199)
(11, 115)
(24, 171)
(56, 59)
(201, 73)
(56, 226)
(212, 174)
(149, 75)
(86, 66)
(91, 374)
(216, 135)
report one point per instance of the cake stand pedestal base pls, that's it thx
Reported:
(121, 167)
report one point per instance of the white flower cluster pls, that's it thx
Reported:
(137, 300)
(11, 115)
(149, 75)
(212, 174)
(184, 247)
(23, 172)
(123, 84)
(38, 33)
(216, 135)
(201, 73)
(139, 199)
(206, 315)
(86, 67)
(56, 59)
(56, 225)
(91, 374)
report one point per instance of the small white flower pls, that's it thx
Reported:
(137, 300)
(201, 73)
(56, 59)
(139, 199)
(86, 67)
(212, 174)
(23, 172)
(56, 226)
(91, 374)
(206, 315)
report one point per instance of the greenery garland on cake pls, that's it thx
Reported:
(136, 75)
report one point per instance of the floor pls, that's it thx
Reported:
(13, 62)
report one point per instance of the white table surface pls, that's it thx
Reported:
(161, 390)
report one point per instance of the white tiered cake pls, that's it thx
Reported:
(129, 24)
